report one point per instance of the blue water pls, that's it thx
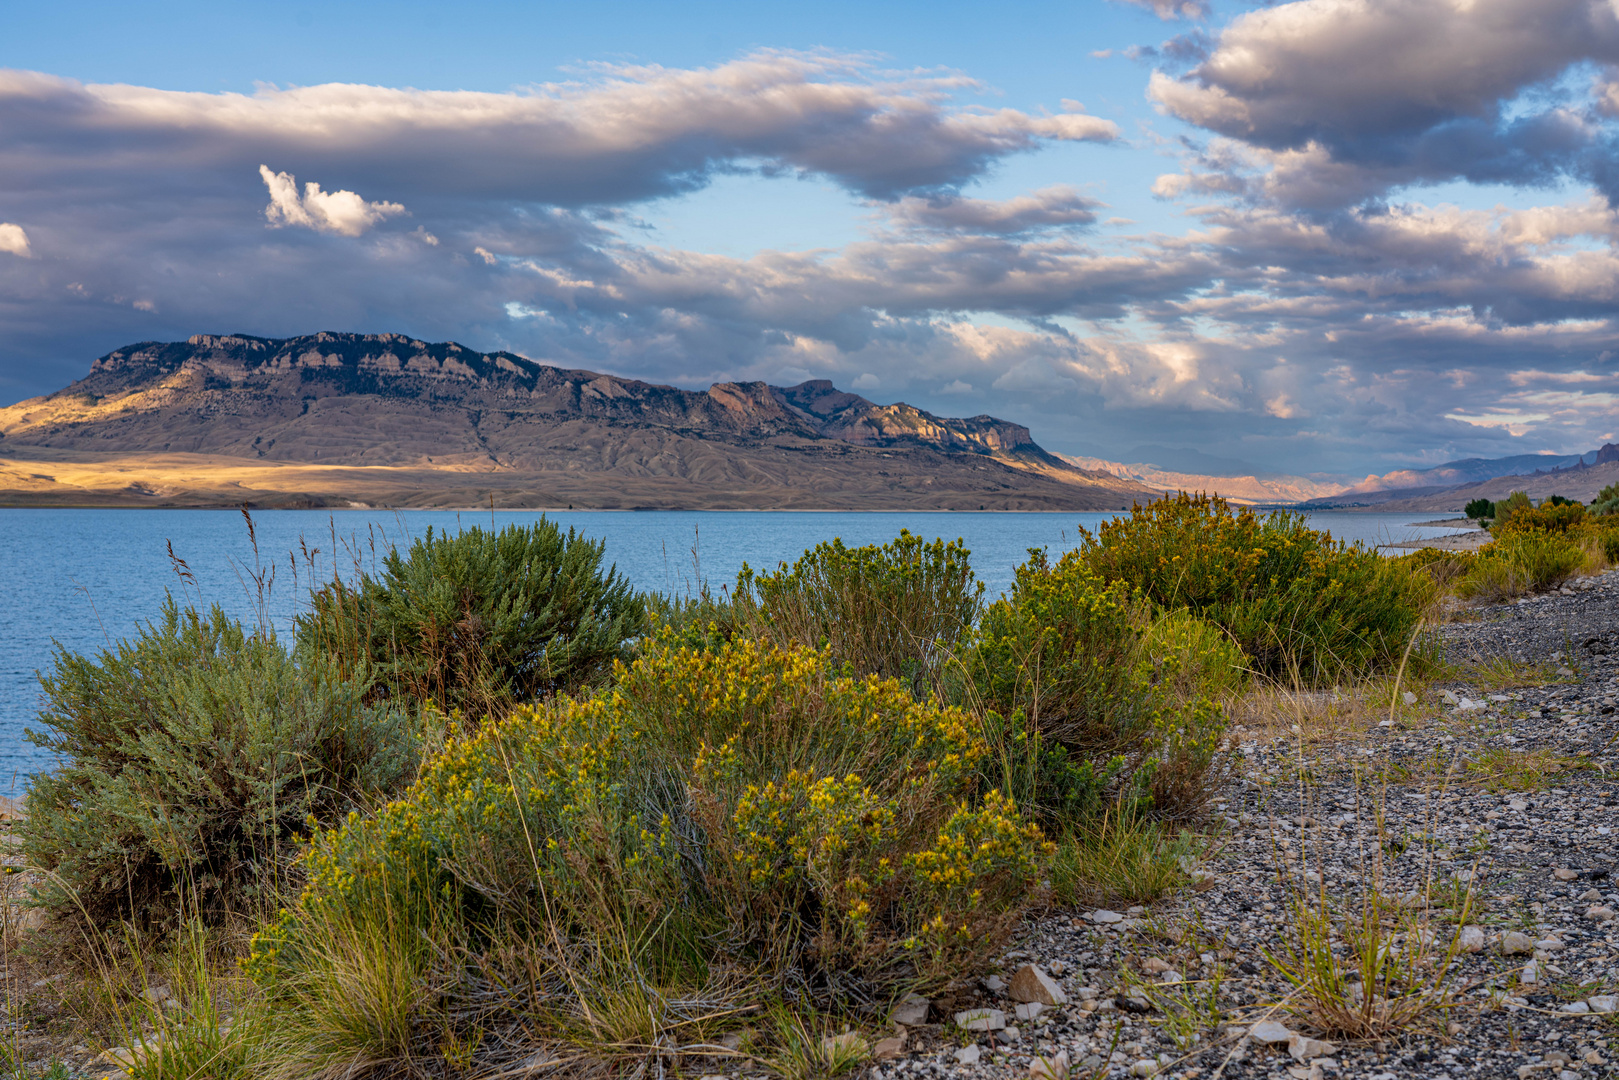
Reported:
(84, 577)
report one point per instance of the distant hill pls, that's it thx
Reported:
(1438, 487)
(382, 419)
(1256, 487)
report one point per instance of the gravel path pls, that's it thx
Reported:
(1505, 778)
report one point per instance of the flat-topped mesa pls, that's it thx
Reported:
(366, 400)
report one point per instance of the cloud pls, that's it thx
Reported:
(1057, 206)
(14, 241)
(1174, 9)
(1406, 91)
(341, 212)
(629, 133)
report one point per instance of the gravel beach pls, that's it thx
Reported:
(1485, 813)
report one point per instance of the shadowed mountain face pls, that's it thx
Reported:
(539, 435)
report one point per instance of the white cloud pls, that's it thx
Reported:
(1174, 9)
(956, 386)
(14, 241)
(341, 212)
(868, 381)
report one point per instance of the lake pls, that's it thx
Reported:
(84, 577)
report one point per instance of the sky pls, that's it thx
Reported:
(1331, 236)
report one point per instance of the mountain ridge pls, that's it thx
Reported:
(344, 401)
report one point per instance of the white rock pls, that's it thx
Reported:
(1029, 1010)
(1269, 1031)
(1600, 914)
(994, 984)
(1603, 1003)
(1055, 1067)
(1470, 939)
(1530, 974)
(1516, 943)
(981, 1020)
(1029, 983)
(1102, 915)
(1519, 805)
(1409, 698)
(969, 1055)
(1306, 1049)
(1579, 1008)
(911, 1011)
(1144, 1067)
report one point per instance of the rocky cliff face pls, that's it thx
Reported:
(386, 400)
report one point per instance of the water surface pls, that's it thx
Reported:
(84, 577)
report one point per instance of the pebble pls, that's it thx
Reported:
(1269, 1031)
(1470, 939)
(1516, 943)
(969, 1055)
(1054, 1067)
(1030, 983)
(981, 1020)
(911, 1011)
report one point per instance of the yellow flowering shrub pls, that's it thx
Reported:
(1297, 601)
(784, 815)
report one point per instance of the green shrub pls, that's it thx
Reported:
(1519, 562)
(734, 807)
(1513, 503)
(899, 610)
(481, 619)
(190, 757)
(1559, 500)
(1090, 699)
(1480, 508)
(1606, 503)
(1298, 603)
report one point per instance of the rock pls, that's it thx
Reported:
(847, 1045)
(1409, 698)
(1304, 1048)
(1600, 914)
(912, 1011)
(1590, 896)
(1029, 983)
(969, 1055)
(1563, 873)
(1578, 1008)
(1603, 1003)
(1516, 943)
(1519, 805)
(994, 984)
(889, 1048)
(1102, 915)
(1470, 939)
(981, 1020)
(156, 994)
(1530, 974)
(1154, 966)
(1029, 1010)
(1144, 1067)
(1269, 1031)
(1055, 1067)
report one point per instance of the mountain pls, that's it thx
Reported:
(1589, 474)
(1484, 474)
(1249, 488)
(383, 419)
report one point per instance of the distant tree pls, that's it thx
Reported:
(1480, 508)
(1606, 502)
(1558, 500)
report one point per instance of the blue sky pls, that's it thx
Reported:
(1335, 235)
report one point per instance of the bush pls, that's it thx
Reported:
(1511, 505)
(1606, 503)
(1480, 508)
(899, 610)
(1521, 561)
(736, 808)
(481, 619)
(1090, 699)
(1559, 518)
(1297, 603)
(190, 757)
